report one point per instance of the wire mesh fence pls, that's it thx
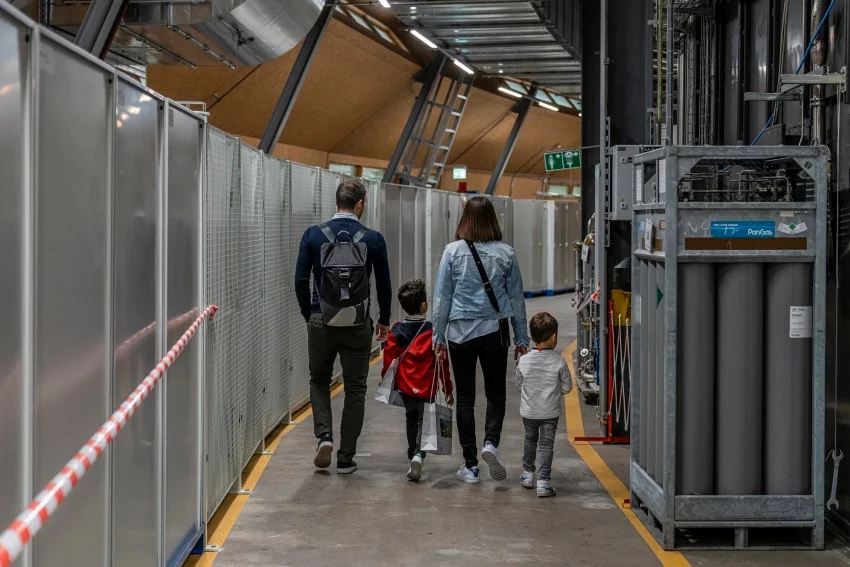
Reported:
(223, 228)
(252, 271)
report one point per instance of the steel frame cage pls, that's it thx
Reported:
(740, 512)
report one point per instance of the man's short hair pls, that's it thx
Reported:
(349, 193)
(412, 295)
(542, 327)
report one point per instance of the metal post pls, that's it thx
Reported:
(522, 109)
(668, 104)
(99, 26)
(284, 105)
(429, 79)
(600, 256)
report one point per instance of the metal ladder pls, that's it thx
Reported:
(427, 152)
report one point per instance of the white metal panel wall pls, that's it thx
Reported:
(223, 217)
(13, 137)
(252, 269)
(135, 219)
(524, 242)
(305, 213)
(183, 293)
(72, 340)
(277, 292)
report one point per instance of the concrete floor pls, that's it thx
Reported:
(299, 516)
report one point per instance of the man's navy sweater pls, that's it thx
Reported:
(309, 261)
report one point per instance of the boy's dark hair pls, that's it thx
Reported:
(542, 327)
(412, 295)
(349, 193)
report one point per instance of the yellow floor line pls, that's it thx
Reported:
(225, 517)
(616, 489)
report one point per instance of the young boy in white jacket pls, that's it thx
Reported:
(543, 378)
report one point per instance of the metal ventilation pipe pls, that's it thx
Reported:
(818, 55)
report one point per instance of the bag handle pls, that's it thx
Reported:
(488, 288)
(422, 326)
(437, 380)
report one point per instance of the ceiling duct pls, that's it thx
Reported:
(203, 32)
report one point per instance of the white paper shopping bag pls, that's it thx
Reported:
(437, 430)
(387, 393)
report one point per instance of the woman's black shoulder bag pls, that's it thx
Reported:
(504, 330)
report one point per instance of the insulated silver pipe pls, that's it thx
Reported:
(669, 102)
(600, 268)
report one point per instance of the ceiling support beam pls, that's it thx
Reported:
(295, 81)
(429, 79)
(523, 108)
(100, 23)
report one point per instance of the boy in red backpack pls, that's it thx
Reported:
(410, 341)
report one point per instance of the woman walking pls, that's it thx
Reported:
(478, 291)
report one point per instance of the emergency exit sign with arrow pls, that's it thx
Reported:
(562, 159)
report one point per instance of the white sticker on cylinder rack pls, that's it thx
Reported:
(800, 322)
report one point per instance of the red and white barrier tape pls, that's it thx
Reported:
(28, 523)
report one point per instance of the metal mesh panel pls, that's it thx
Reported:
(304, 189)
(372, 219)
(277, 294)
(251, 373)
(328, 182)
(223, 213)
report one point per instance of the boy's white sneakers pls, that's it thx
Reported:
(544, 490)
(527, 479)
(469, 475)
(491, 456)
(414, 471)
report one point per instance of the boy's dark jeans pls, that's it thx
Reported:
(494, 365)
(539, 442)
(354, 347)
(414, 411)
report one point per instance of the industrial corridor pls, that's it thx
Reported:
(570, 275)
(298, 515)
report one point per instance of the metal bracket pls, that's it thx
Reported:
(839, 79)
(213, 549)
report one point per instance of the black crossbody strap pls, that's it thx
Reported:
(488, 289)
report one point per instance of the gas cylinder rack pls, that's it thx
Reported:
(729, 288)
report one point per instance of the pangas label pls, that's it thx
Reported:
(800, 322)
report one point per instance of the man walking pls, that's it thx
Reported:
(341, 255)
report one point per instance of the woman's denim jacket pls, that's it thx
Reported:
(459, 292)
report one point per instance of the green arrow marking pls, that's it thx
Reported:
(659, 296)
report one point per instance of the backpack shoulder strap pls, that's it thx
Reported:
(488, 289)
(326, 230)
(360, 234)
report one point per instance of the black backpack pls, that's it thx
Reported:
(345, 278)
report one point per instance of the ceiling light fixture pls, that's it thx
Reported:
(510, 92)
(424, 39)
(384, 3)
(465, 68)
(548, 106)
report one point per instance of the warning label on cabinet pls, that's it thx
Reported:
(800, 322)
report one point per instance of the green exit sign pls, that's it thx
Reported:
(562, 159)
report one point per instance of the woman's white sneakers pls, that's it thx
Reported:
(469, 475)
(490, 454)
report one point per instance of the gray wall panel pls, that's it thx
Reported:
(223, 214)
(182, 483)
(134, 309)
(70, 385)
(251, 376)
(305, 213)
(12, 58)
